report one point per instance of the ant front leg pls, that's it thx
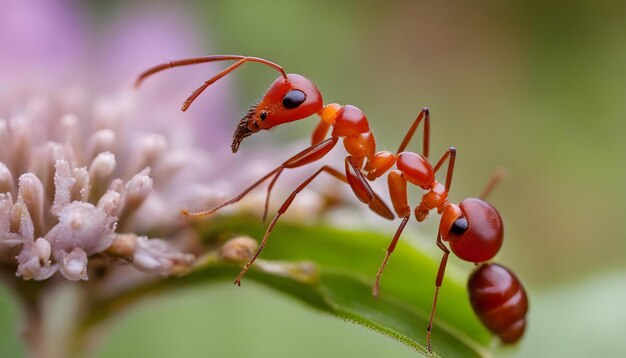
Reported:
(284, 209)
(320, 132)
(305, 157)
(269, 193)
(397, 189)
(438, 282)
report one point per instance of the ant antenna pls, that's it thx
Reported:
(204, 59)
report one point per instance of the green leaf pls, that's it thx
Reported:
(332, 270)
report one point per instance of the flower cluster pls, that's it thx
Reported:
(72, 187)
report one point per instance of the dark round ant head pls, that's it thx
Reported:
(474, 230)
(285, 101)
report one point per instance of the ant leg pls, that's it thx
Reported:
(374, 201)
(450, 153)
(320, 131)
(236, 198)
(294, 162)
(495, 178)
(392, 246)
(305, 157)
(397, 190)
(424, 114)
(364, 191)
(269, 192)
(438, 282)
(282, 210)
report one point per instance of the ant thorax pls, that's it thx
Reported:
(435, 198)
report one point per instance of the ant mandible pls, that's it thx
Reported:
(473, 229)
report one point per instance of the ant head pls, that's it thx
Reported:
(474, 230)
(285, 101)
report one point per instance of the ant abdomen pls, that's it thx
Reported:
(499, 300)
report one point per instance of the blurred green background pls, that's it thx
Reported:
(535, 87)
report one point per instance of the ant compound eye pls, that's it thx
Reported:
(459, 226)
(263, 115)
(293, 99)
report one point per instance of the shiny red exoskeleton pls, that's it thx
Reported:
(499, 300)
(473, 229)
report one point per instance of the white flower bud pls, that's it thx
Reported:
(20, 218)
(31, 194)
(42, 250)
(144, 261)
(63, 184)
(74, 265)
(156, 255)
(82, 188)
(117, 185)
(44, 162)
(34, 259)
(6, 203)
(111, 203)
(152, 145)
(31, 269)
(102, 166)
(100, 172)
(7, 183)
(6, 237)
(137, 189)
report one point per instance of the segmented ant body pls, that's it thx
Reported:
(473, 229)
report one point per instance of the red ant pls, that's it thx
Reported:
(473, 229)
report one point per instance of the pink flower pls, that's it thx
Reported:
(80, 171)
